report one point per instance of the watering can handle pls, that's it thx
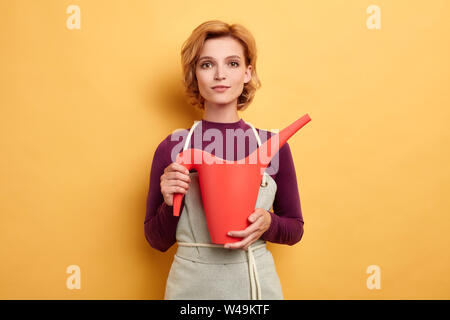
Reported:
(177, 197)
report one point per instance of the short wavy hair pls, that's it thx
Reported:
(190, 52)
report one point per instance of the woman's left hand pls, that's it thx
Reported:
(260, 221)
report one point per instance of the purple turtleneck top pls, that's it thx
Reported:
(287, 221)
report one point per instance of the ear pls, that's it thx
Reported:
(248, 74)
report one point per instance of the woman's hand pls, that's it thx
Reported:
(175, 179)
(260, 221)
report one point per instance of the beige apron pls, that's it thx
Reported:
(203, 270)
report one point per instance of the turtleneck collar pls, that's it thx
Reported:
(212, 124)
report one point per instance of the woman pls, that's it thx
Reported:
(219, 65)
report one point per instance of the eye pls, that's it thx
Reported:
(233, 63)
(201, 66)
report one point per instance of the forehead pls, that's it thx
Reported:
(222, 48)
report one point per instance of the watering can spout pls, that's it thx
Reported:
(239, 183)
(282, 138)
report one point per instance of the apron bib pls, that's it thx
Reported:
(202, 270)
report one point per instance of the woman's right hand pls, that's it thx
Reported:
(175, 179)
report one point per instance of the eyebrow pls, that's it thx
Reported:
(208, 57)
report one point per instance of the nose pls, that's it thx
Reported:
(219, 75)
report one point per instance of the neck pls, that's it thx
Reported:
(225, 113)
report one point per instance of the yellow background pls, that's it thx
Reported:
(82, 112)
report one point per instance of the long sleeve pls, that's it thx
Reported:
(160, 224)
(287, 221)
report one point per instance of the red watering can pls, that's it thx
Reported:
(230, 189)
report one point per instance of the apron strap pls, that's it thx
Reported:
(254, 281)
(188, 138)
(264, 181)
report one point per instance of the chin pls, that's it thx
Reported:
(222, 100)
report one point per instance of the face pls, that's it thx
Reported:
(222, 62)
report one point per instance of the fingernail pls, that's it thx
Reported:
(229, 233)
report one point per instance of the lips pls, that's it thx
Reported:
(220, 87)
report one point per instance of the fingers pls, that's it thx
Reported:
(174, 186)
(255, 215)
(176, 175)
(244, 243)
(176, 189)
(252, 238)
(174, 166)
(250, 235)
(175, 179)
(176, 182)
(255, 226)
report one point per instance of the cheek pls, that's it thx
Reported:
(238, 85)
(201, 86)
(201, 79)
(238, 78)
